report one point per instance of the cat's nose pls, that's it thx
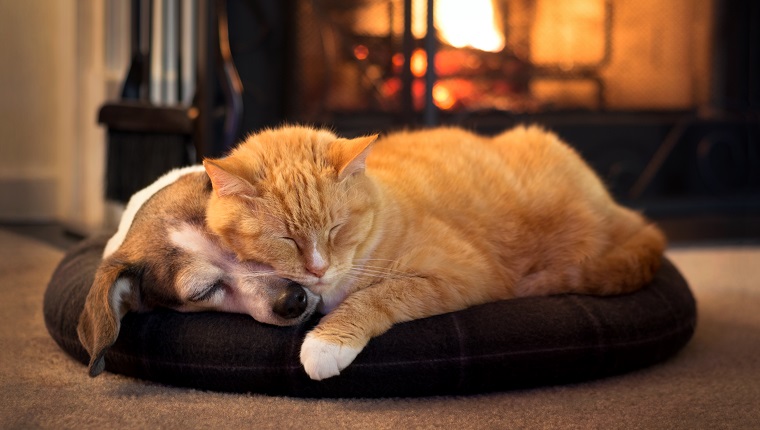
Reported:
(317, 270)
(316, 264)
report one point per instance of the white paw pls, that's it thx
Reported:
(322, 359)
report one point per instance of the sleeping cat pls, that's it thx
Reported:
(422, 223)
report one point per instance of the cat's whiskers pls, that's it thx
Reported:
(376, 267)
(363, 263)
(379, 272)
(376, 259)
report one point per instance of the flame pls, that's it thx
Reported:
(443, 97)
(419, 63)
(470, 23)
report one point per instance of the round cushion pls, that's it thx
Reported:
(504, 345)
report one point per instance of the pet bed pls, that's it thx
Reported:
(498, 346)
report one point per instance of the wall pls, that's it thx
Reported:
(51, 84)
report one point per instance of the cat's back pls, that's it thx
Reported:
(435, 145)
(447, 166)
(446, 156)
(528, 147)
(452, 159)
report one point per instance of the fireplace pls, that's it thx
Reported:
(516, 56)
(660, 96)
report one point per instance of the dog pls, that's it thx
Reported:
(162, 255)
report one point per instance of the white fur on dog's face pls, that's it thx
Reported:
(214, 279)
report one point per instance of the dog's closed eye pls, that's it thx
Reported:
(209, 293)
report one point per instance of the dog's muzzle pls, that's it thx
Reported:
(292, 302)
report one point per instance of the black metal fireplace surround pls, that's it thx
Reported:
(360, 66)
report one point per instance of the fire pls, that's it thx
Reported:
(470, 23)
(442, 96)
(419, 63)
(460, 24)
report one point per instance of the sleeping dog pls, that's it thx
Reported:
(162, 255)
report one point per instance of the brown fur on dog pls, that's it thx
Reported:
(116, 289)
(169, 258)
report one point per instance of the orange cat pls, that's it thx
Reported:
(439, 220)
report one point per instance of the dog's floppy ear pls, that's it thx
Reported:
(114, 292)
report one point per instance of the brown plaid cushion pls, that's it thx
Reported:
(505, 345)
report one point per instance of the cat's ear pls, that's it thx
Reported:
(226, 183)
(349, 156)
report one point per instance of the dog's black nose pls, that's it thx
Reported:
(292, 301)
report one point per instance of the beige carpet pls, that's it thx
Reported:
(714, 383)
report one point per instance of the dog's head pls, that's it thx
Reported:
(166, 257)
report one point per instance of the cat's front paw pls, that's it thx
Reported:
(322, 359)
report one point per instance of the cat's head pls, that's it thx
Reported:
(296, 199)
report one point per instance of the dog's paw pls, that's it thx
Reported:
(322, 359)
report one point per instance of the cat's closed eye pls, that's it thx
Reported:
(292, 242)
(334, 230)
